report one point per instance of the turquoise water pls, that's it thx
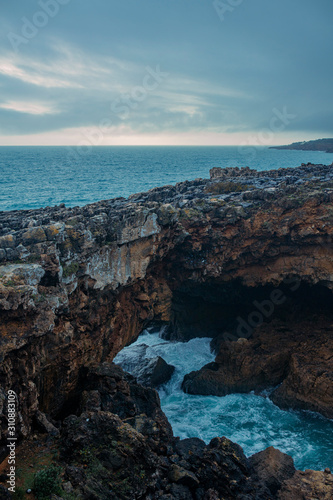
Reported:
(34, 177)
(252, 421)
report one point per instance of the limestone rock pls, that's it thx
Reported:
(307, 486)
(78, 284)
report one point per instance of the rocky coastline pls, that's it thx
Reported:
(245, 257)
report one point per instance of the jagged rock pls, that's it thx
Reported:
(109, 388)
(191, 447)
(182, 476)
(309, 383)
(291, 354)
(308, 485)
(154, 372)
(135, 458)
(79, 284)
(113, 267)
(272, 468)
(45, 424)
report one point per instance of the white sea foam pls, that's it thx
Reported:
(252, 421)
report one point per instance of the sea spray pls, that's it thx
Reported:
(252, 421)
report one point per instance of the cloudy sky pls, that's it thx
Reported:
(165, 71)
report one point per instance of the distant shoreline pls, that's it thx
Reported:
(325, 145)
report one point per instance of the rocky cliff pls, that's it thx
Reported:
(222, 257)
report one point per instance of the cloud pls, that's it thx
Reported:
(224, 78)
(28, 107)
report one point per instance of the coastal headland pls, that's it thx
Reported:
(244, 257)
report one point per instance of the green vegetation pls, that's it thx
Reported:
(70, 269)
(47, 481)
(227, 187)
(9, 283)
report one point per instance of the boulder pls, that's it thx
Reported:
(182, 476)
(272, 468)
(154, 372)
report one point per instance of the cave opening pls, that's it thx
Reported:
(232, 310)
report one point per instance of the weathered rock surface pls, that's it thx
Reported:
(154, 372)
(272, 468)
(307, 486)
(117, 444)
(121, 446)
(78, 284)
(295, 356)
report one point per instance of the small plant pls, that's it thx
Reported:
(142, 474)
(86, 455)
(46, 482)
(70, 269)
(10, 283)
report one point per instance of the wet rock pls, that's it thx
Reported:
(154, 372)
(290, 355)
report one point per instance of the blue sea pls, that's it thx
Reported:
(34, 177)
(252, 421)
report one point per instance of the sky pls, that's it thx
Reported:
(165, 72)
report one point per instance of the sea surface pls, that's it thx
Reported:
(252, 421)
(34, 177)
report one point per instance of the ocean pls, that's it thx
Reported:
(34, 177)
(252, 421)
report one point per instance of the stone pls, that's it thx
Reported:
(308, 485)
(7, 241)
(278, 354)
(272, 468)
(33, 235)
(182, 476)
(193, 259)
(45, 424)
(191, 447)
(154, 372)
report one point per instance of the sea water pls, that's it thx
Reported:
(34, 177)
(252, 421)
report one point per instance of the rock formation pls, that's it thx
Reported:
(78, 284)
